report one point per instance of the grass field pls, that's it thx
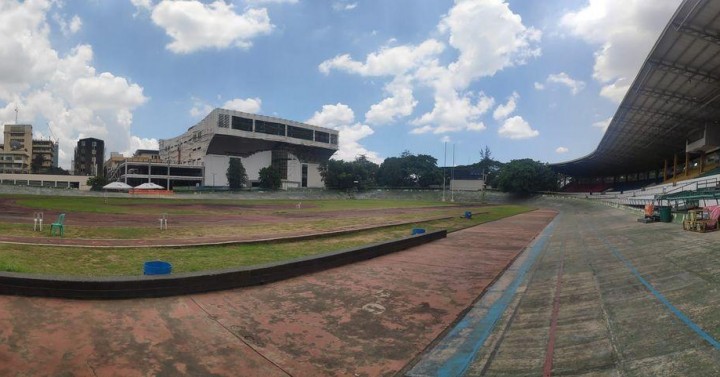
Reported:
(315, 216)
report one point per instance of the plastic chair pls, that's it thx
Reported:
(59, 225)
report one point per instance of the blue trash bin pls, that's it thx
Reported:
(418, 231)
(157, 268)
(468, 214)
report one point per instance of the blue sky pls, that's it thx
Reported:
(537, 79)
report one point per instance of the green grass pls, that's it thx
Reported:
(115, 205)
(114, 262)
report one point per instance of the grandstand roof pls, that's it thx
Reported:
(675, 94)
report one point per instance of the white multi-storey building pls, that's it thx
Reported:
(296, 149)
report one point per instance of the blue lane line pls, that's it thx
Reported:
(680, 315)
(461, 359)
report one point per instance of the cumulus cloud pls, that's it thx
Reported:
(399, 103)
(65, 92)
(489, 38)
(248, 105)
(503, 111)
(388, 61)
(623, 31)
(453, 113)
(538, 86)
(195, 26)
(603, 124)
(562, 78)
(517, 128)
(486, 37)
(342, 118)
(561, 150)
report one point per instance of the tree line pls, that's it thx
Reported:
(421, 171)
(411, 171)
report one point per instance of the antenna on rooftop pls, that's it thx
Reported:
(16, 114)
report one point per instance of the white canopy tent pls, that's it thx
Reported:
(149, 186)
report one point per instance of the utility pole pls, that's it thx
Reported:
(452, 177)
(444, 168)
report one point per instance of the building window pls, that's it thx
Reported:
(269, 128)
(223, 120)
(242, 124)
(300, 133)
(322, 137)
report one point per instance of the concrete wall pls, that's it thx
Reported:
(314, 178)
(219, 165)
(467, 185)
(45, 180)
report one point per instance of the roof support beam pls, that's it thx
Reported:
(687, 71)
(663, 114)
(697, 33)
(670, 96)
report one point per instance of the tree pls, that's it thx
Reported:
(341, 175)
(36, 166)
(96, 183)
(409, 170)
(270, 178)
(235, 174)
(526, 176)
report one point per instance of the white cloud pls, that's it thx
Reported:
(141, 143)
(200, 108)
(503, 111)
(453, 113)
(105, 91)
(248, 105)
(624, 31)
(445, 139)
(561, 150)
(400, 103)
(562, 78)
(538, 86)
(486, 36)
(517, 128)
(65, 92)
(253, 2)
(142, 4)
(68, 28)
(196, 26)
(489, 38)
(342, 118)
(388, 61)
(603, 124)
(333, 116)
(339, 6)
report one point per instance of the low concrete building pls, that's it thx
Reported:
(46, 180)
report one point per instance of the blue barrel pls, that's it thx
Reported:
(418, 231)
(468, 214)
(157, 268)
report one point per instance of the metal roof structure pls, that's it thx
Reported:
(675, 94)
